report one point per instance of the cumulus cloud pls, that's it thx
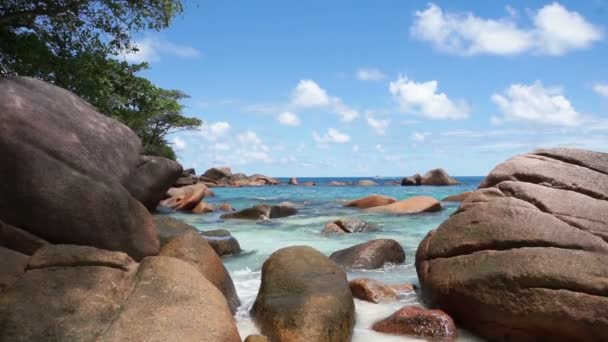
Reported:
(250, 148)
(420, 136)
(601, 89)
(538, 104)
(379, 125)
(178, 144)
(308, 94)
(370, 74)
(425, 100)
(289, 119)
(214, 131)
(151, 49)
(554, 31)
(332, 136)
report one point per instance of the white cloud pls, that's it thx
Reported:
(370, 74)
(380, 148)
(423, 99)
(214, 131)
(379, 125)
(179, 144)
(601, 89)
(420, 136)
(289, 119)
(555, 31)
(308, 94)
(150, 49)
(332, 136)
(251, 148)
(537, 104)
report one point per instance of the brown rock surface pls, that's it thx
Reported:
(370, 201)
(370, 255)
(371, 290)
(12, 267)
(414, 205)
(419, 322)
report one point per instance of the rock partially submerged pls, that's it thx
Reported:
(414, 205)
(304, 296)
(524, 257)
(419, 322)
(367, 182)
(348, 225)
(293, 181)
(222, 242)
(433, 177)
(370, 255)
(261, 212)
(370, 201)
(371, 290)
(413, 180)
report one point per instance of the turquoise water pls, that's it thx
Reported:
(317, 206)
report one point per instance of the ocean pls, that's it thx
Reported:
(317, 206)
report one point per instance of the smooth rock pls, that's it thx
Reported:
(12, 266)
(151, 179)
(76, 256)
(185, 198)
(367, 182)
(262, 211)
(169, 228)
(192, 248)
(458, 197)
(217, 173)
(370, 255)
(414, 205)
(304, 296)
(438, 177)
(19, 240)
(419, 322)
(189, 172)
(413, 180)
(371, 290)
(225, 207)
(293, 181)
(370, 201)
(222, 242)
(348, 225)
(337, 183)
(308, 184)
(203, 208)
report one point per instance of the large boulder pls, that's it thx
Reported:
(438, 177)
(260, 212)
(217, 173)
(370, 201)
(151, 179)
(168, 228)
(192, 248)
(413, 180)
(418, 322)
(370, 255)
(524, 258)
(348, 225)
(186, 197)
(222, 242)
(65, 167)
(105, 296)
(304, 296)
(19, 240)
(414, 205)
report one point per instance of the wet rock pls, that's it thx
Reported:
(192, 248)
(293, 181)
(523, 258)
(419, 322)
(348, 225)
(370, 255)
(370, 201)
(403, 288)
(222, 242)
(414, 205)
(367, 182)
(259, 212)
(371, 290)
(304, 297)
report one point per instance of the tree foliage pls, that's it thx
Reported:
(71, 43)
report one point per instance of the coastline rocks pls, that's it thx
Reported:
(337, 183)
(458, 197)
(413, 180)
(203, 208)
(414, 205)
(308, 184)
(419, 322)
(195, 250)
(293, 181)
(370, 255)
(262, 211)
(185, 198)
(217, 173)
(371, 290)
(67, 170)
(304, 297)
(370, 201)
(524, 257)
(222, 242)
(151, 179)
(225, 207)
(367, 182)
(168, 228)
(348, 225)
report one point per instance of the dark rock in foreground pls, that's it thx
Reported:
(262, 212)
(524, 258)
(419, 322)
(370, 255)
(304, 296)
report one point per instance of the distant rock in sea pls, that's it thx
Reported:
(433, 177)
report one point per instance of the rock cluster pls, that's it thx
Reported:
(433, 177)
(348, 225)
(524, 257)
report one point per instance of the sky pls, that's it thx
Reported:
(382, 88)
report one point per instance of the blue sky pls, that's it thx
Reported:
(390, 88)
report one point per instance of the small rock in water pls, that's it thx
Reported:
(293, 181)
(370, 255)
(370, 201)
(416, 321)
(222, 242)
(348, 225)
(414, 205)
(371, 290)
